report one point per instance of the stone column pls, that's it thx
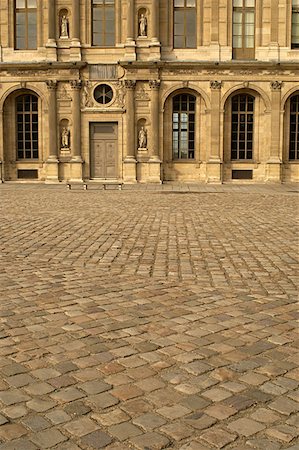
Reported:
(154, 86)
(130, 45)
(75, 31)
(51, 44)
(274, 162)
(130, 118)
(52, 161)
(52, 22)
(214, 47)
(154, 172)
(214, 160)
(155, 20)
(274, 46)
(76, 118)
(155, 45)
(129, 156)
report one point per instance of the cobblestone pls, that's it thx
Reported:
(139, 320)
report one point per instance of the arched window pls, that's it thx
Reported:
(242, 124)
(294, 128)
(27, 126)
(183, 126)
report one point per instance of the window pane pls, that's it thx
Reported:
(249, 42)
(237, 17)
(31, 3)
(249, 3)
(237, 41)
(179, 3)
(20, 4)
(238, 3)
(191, 29)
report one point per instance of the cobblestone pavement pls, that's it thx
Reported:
(149, 318)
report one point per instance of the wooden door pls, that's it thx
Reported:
(103, 150)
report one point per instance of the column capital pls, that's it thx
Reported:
(130, 84)
(76, 84)
(52, 84)
(154, 84)
(276, 85)
(215, 85)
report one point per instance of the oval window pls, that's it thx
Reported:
(103, 94)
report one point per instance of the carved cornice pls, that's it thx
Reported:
(215, 84)
(154, 84)
(130, 84)
(276, 85)
(76, 84)
(52, 84)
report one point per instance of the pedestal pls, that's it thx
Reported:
(51, 50)
(273, 171)
(155, 50)
(52, 170)
(75, 50)
(130, 51)
(129, 170)
(214, 172)
(76, 169)
(154, 170)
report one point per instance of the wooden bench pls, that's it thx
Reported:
(105, 185)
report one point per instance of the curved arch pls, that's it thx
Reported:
(19, 87)
(190, 88)
(252, 88)
(287, 95)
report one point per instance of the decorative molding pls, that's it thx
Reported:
(52, 84)
(215, 84)
(154, 84)
(276, 85)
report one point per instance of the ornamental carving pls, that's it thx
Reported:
(63, 93)
(121, 93)
(76, 84)
(154, 84)
(87, 100)
(141, 94)
(51, 84)
(276, 85)
(130, 84)
(215, 84)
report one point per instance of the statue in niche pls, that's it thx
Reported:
(65, 138)
(142, 137)
(64, 32)
(142, 25)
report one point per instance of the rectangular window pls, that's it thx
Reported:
(295, 24)
(184, 25)
(103, 23)
(243, 29)
(25, 24)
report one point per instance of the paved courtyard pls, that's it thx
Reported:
(149, 318)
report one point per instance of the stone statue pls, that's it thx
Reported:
(142, 25)
(86, 98)
(65, 137)
(142, 138)
(64, 33)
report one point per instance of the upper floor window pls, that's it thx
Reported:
(183, 126)
(184, 27)
(103, 23)
(243, 29)
(294, 128)
(295, 24)
(25, 25)
(242, 127)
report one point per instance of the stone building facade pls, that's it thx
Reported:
(149, 90)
